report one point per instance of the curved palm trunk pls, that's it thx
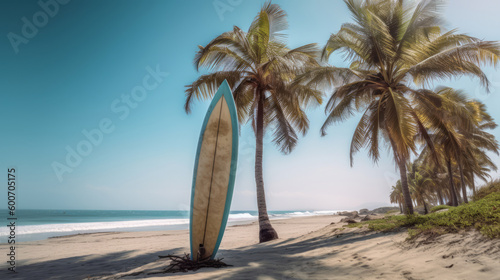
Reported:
(473, 184)
(447, 195)
(464, 190)
(459, 196)
(453, 195)
(440, 196)
(407, 202)
(408, 206)
(266, 230)
(426, 210)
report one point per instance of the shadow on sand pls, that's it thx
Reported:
(82, 267)
(288, 259)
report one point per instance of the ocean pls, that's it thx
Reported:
(33, 225)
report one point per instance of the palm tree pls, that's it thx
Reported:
(476, 161)
(396, 195)
(457, 129)
(478, 142)
(420, 184)
(260, 67)
(439, 182)
(479, 165)
(389, 45)
(437, 186)
(444, 124)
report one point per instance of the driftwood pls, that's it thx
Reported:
(185, 264)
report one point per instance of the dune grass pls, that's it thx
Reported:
(439, 207)
(491, 187)
(483, 215)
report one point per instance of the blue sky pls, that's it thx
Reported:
(121, 67)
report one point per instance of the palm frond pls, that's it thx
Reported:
(206, 86)
(284, 135)
(243, 97)
(230, 47)
(359, 137)
(458, 60)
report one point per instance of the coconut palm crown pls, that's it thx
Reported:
(394, 46)
(259, 68)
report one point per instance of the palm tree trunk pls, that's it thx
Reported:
(440, 196)
(426, 211)
(473, 184)
(266, 230)
(400, 208)
(459, 196)
(407, 202)
(446, 193)
(453, 195)
(408, 206)
(462, 181)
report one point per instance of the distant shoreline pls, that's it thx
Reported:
(34, 232)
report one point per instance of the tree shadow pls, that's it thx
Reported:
(86, 266)
(285, 259)
(294, 258)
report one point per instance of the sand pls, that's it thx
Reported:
(308, 248)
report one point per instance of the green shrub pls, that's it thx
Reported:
(382, 225)
(483, 215)
(354, 225)
(491, 187)
(439, 207)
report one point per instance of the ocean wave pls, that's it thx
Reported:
(241, 216)
(305, 213)
(95, 226)
(118, 225)
(326, 212)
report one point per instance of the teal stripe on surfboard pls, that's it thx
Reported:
(223, 91)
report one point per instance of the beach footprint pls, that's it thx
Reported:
(407, 275)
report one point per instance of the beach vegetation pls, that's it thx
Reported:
(354, 225)
(482, 215)
(439, 207)
(489, 188)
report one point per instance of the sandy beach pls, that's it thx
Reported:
(308, 248)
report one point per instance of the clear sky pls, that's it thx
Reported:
(115, 72)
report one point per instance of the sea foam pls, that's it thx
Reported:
(159, 224)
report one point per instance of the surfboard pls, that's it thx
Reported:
(214, 175)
